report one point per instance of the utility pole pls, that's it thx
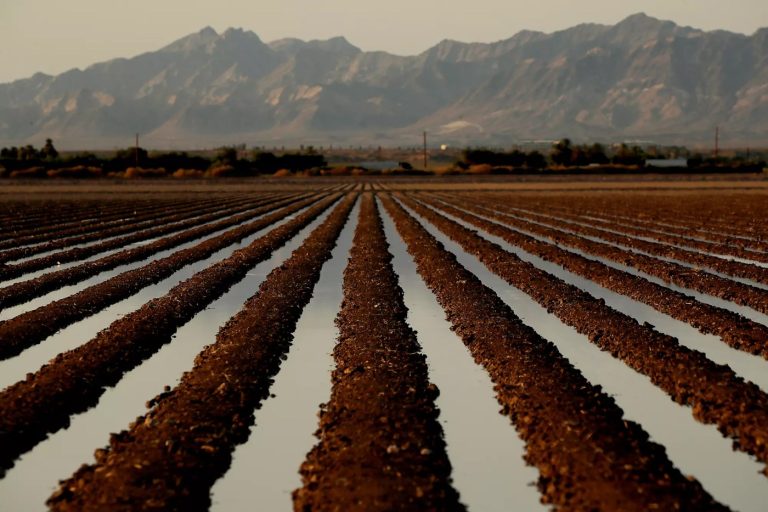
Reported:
(425, 151)
(717, 141)
(137, 150)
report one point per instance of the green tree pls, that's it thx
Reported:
(49, 152)
(562, 153)
(226, 155)
(535, 160)
(595, 154)
(28, 152)
(11, 153)
(626, 155)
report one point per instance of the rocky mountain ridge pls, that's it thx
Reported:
(641, 79)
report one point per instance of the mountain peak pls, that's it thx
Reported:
(338, 44)
(236, 32)
(636, 78)
(640, 17)
(208, 32)
(201, 39)
(641, 21)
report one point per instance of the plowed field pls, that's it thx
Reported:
(361, 345)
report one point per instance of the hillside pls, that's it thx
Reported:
(642, 78)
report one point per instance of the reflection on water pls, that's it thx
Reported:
(265, 469)
(690, 232)
(650, 239)
(103, 276)
(484, 449)
(667, 259)
(748, 366)
(747, 312)
(732, 477)
(64, 266)
(82, 245)
(36, 474)
(30, 360)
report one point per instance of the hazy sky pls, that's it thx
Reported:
(55, 35)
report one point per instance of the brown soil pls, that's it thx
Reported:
(685, 277)
(381, 447)
(170, 458)
(731, 268)
(589, 458)
(21, 218)
(122, 227)
(58, 221)
(23, 291)
(685, 242)
(32, 327)
(728, 212)
(736, 330)
(716, 394)
(10, 271)
(42, 403)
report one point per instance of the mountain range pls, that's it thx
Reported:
(641, 79)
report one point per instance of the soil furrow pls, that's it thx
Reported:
(734, 329)
(716, 394)
(11, 271)
(131, 228)
(381, 446)
(35, 217)
(588, 456)
(73, 381)
(732, 215)
(723, 241)
(673, 273)
(731, 268)
(186, 440)
(706, 217)
(23, 291)
(101, 220)
(32, 327)
(671, 239)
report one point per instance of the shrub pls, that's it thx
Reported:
(480, 169)
(188, 173)
(32, 172)
(78, 171)
(138, 172)
(221, 170)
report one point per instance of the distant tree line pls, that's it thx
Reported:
(236, 161)
(29, 161)
(30, 153)
(566, 154)
(514, 158)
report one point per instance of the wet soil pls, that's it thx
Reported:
(728, 217)
(725, 249)
(73, 381)
(169, 459)
(13, 270)
(734, 329)
(699, 260)
(715, 393)
(381, 447)
(131, 228)
(34, 326)
(588, 456)
(41, 221)
(670, 272)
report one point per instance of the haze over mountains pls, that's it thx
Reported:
(641, 79)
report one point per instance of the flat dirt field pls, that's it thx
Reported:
(363, 344)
